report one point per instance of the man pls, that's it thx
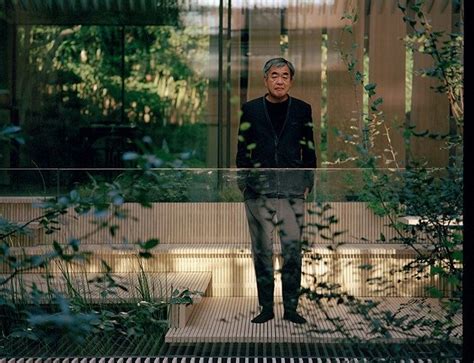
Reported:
(276, 135)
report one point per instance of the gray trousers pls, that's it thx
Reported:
(264, 215)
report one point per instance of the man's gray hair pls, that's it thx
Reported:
(278, 62)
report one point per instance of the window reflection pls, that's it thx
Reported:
(86, 93)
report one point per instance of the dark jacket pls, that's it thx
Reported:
(260, 147)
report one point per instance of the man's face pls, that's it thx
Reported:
(278, 82)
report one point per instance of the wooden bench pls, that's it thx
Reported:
(214, 237)
(417, 220)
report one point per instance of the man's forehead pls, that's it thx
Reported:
(282, 69)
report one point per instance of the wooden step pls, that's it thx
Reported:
(227, 319)
(233, 272)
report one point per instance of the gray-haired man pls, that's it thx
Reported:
(276, 135)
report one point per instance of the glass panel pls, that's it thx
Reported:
(68, 80)
(166, 88)
(88, 93)
(185, 184)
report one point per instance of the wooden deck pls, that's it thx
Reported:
(227, 319)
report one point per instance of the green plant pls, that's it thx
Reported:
(183, 296)
(72, 311)
(435, 195)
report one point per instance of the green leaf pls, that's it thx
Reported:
(74, 243)
(457, 255)
(378, 101)
(251, 146)
(420, 134)
(11, 130)
(453, 280)
(434, 292)
(145, 254)
(113, 229)
(74, 195)
(57, 248)
(130, 156)
(436, 270)
(151, 243)
(409, 20)
(245, 126)
(370, 86)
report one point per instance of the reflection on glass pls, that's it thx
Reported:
(183, 184)
(166, 88)
(86, 93)
(68, 78)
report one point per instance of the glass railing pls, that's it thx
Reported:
(137, 270)
(188, 184)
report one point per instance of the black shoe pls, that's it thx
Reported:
(263, 317)
(294, 317)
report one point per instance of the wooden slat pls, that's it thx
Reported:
(387, 70)
(304, 51)
(430, 110)
(226, 252)
(213, 90)
(228, 320)
(237, 62)
(203, 224)
(264, 43)
(344, 95)
(233, 273)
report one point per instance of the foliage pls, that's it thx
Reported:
(11, 133)
(81, 85)
(85, 305)
(434, 195)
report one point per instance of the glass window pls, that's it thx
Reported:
(86, 93)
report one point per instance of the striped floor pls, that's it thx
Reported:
(227, 319)
(209, 360)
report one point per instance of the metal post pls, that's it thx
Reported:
(220, 86)
(229, 82)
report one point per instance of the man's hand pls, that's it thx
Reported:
(306, 191)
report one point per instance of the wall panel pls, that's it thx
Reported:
(387, 71)
(344, 96)
(430, 110)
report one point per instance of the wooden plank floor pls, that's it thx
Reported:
(227, 319)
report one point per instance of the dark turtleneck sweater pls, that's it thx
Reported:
(277, 113)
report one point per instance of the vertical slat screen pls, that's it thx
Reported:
(238, 24)
(264, 43)
(205, 224)
(430, 110)
(304, 24)
(213, 237)
(344, 97)
(212, 98)
(387, 59)
(387, 71)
